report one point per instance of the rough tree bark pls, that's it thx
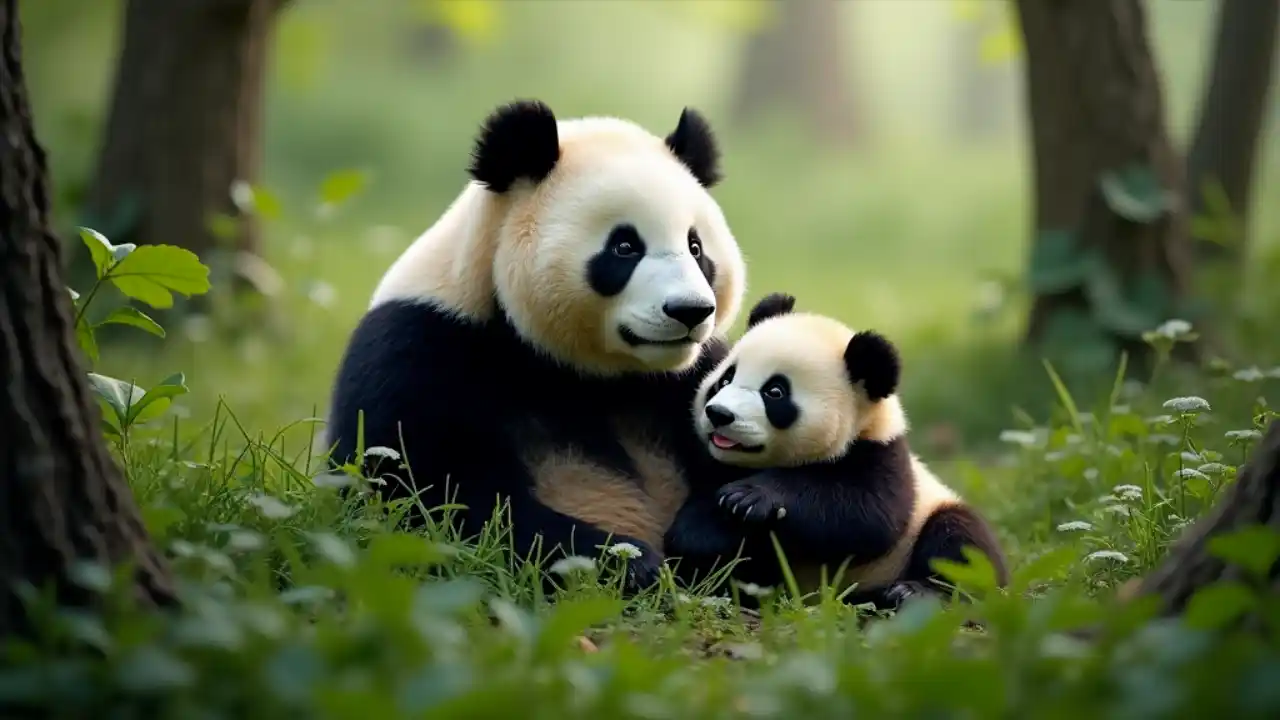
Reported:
(1096, 108)
(798, 61)
(1232, 113)
(62, 498)
(185, 121)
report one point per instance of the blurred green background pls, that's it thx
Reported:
(916, 222)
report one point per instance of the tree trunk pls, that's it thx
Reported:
(798, 62)
(1232, 114)
(185, 122)
(62, 499)
(1110, 258)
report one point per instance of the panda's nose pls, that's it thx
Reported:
(689, 313)
(719, 416)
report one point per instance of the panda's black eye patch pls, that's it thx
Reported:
(625, 242)
(695, 244)
(725, 379)
(781, 410)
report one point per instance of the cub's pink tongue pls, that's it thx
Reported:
(722, 442)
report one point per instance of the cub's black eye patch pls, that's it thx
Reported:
(695, 243)
(625, 242)
(609, 271)
(779, 407)
(725, 379)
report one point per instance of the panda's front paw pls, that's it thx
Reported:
(899, 594)
(752, 501)
(644, 570)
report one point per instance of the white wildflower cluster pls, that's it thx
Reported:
(1188, 405)
(1243, 435)
(1024, 438)
(572, 565)
(1189, 473)
(1113, 555)
(1128, 492)
(755, 590)
(1075, 526)
(624, 550)
(380, 451)
(1174, 329)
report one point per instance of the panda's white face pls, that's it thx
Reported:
(619, 261)
(784, 395)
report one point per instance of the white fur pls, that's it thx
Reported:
(529, 248)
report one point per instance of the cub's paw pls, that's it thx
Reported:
(898, 594)
(751, 501)
(643, 570)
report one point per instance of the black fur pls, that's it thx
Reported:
(944, 536)
(782, 412)
(857, 505)
(771, 305)
(871, 359)
(705, 263)
(468, 398)
(609, 270)
(518, 140)
(695, 145)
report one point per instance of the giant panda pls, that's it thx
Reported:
(535, 351)
(809, 409)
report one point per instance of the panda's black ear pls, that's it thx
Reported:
(518, 140)
(771, 305)
(872, 360)
(695, 145)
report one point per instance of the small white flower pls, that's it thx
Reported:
(683, 598)
(1019, 437)
(1174, 329)
(1128, 492)
(1117, 510)
(1074, 526)
(1249, 374)
(271, 507)
(755, 590)
(572, 564)
(322, 294)
(716, 602)
(1242, 435)
(1213, 468)
(1091, 473)
(1188, 404)
(624, 550)
(1189, 456)
(1108, 555)
(1186, 473)
(381, 451)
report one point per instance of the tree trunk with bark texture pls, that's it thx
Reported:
(62, 498)
(1232, 113)
(185, 122)
(1102, 269)
(798, 61)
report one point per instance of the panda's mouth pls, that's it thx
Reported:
(726, 443)
(629, 337)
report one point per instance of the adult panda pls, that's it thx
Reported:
(540, 344)
(809, 409)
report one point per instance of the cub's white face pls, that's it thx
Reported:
(620, 261)
(783, 397)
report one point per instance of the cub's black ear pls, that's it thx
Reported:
(518, 140)
(695, 145)
(770, 305)
(871, 359)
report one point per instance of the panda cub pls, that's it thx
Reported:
(807, 410)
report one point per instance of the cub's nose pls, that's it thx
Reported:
(689, 313)
(719, 416)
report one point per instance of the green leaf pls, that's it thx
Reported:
(222, 226)
(264, 203)
(132, 316)
(1110, 307)
(1254, 548)
(117, 394)
(1045, 568)
(570, 618)
(86, 340)
(1057, 264)
(398, 549)
(1134, 193)
(152, 272)
(1219, 604)
(976, 574)
(104, 254)
(155, 401)
(340, 186)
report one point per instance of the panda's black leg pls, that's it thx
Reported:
(945, 535)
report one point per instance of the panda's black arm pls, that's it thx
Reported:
(822, 521)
